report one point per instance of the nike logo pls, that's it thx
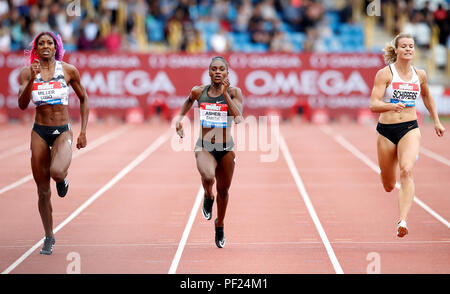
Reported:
(410, 126)
(220, 101)
(56, 132)
(226, 148)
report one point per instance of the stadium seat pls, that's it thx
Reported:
(285, 27)
(332, 44)
(297, 39)
(333, 20)
(155, 29)
(209, 27)
(70, 47)
(241, 37)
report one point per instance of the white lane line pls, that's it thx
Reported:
(287, 156)
(187, 230)
(141, 157)
(347, 145)
(435, 156)
(89, 147)
(14, 150)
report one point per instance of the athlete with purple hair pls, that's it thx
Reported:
(45, 81)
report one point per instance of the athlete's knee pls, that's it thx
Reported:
(406, 171)
(208, 179)
(388, 183)
(222, 191)
(388, 187)
(57, 174)
(44, 193)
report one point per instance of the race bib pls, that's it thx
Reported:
(406, 93)
(213, 115)
(47, 93)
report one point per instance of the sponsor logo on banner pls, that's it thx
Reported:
(115, 82)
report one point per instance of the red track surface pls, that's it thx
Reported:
(136, 225)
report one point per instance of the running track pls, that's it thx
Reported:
(133, 207)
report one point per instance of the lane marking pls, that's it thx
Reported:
(141, 157)
(347, 145)
(187, 230)
(434, 156)
(14, 150)
(287, 156)
(96, 143)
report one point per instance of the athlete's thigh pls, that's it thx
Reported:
(62, 151)
(408, 148)
(387, 158)
(40, 159)
(225, 170)
(206, 163)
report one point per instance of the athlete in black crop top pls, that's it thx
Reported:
(219, 105)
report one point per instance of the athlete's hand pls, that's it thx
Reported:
(81, 142)
(35, 67)
(398, 107)
(225, 85)
(440, 130)
(179, 129)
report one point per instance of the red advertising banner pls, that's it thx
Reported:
(117, 82)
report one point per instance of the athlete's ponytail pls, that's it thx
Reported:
(389, 50)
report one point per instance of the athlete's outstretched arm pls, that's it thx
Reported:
(379, 87)
(193, 96)
(75, 82)
(428, 101)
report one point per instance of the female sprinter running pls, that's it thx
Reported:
(396, 89)
(45, 82)
(219, 104)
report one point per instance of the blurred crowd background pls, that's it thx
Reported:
(197, 26)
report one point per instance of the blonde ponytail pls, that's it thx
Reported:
(389, 50)
(389, 54)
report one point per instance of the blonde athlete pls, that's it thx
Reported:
(396, 90)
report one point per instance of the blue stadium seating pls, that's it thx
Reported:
(155, 29)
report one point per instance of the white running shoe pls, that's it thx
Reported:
(402, 229)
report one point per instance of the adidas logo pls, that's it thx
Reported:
(56, 132)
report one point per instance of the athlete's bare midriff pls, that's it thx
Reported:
(216, 135)
(392, 117)
(52, 115)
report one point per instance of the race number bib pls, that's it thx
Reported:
(47, 93)
(213, 115)
(406, 93)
